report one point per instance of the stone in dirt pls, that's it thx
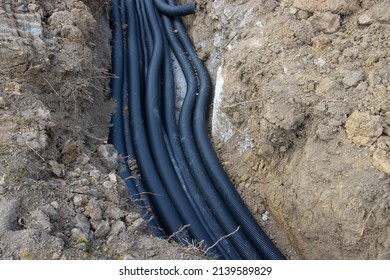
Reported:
(108, 155)
(363, 128)
(82, 223)
(353, 78)
(93, 209)
(103, 229)
(326, 22)
(327, 87)
(70, 152)
(381, 156)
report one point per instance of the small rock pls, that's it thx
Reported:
(108, 155)
(81, 246)
(93, 210)
(70, 152)
(79, 200)
(325, 133)
(55, 204)
(379, 12)
(55, 256)
(95, 174)
(95, 224)
(108, 184)
(113, 213)
(33, 7)
(320, 61)
(13, 88)
(113, 178)
(265, 216)
(72, 174)
(326, 22)
(381, 160)
(136, 225)
(326, 87)
(58, 169)
(303, 14)
(2, 103)
(83, 159)
(82, 223)
(353, 78)
(131, 217)
(79, 236)
(363, 128)
(103, 229)
(282, 149)
(365, 19)
(39, 220)
(117, 227)
(35, 139)
(50, 211)
(383, 143)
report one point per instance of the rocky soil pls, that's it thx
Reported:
(301, 121)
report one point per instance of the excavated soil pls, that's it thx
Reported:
(300, 119)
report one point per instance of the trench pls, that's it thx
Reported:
(169, 164)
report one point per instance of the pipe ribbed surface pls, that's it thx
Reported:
(181, 178)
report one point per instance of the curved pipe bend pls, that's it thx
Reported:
(217, 174)
(154, 129)
(173, 10)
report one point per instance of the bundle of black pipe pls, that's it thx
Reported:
(181, 183)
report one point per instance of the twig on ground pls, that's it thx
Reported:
(50, 86)
(220, 239)
(241, 103)
(35, 151)
(176, 233)
(370, 213)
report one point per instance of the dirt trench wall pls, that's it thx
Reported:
(301, 118)
(60, 197)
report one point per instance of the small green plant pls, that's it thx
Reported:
(5, 150)
(26, 255)
(81, 239)
(12, 178)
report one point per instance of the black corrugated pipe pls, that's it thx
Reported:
(218, 208)
(145, 38)
(156, 135)
(166, 212)
(213, 166)
(173, 10)
(184, 174)
(202, 168)
(117, 131)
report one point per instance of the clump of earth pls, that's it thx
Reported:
(300, 120)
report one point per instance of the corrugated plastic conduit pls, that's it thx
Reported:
(184, 189)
